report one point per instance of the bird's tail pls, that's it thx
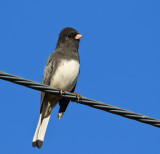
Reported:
(40, 131)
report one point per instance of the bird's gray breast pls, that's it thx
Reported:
(65, 75)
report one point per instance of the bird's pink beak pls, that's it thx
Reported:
(78, 36)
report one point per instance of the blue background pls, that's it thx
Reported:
(120, 65)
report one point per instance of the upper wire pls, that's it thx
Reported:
(82, 100)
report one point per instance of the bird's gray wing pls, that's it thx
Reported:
(63, 103)
(49, 70)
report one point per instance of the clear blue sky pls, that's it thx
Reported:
(120, 65)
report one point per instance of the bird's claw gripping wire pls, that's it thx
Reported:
(61, 92)
(78, 97)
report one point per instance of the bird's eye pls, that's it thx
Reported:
(69, 36)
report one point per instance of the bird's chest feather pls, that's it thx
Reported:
(66, 75)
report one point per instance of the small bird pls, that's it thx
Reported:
(61, 71)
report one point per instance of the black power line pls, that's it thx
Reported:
(82, 100)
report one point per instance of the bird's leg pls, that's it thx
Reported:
(61, 91)
(78, 96)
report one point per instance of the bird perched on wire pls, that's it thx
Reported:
(61, 71)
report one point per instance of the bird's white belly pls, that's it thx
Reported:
(66, 75)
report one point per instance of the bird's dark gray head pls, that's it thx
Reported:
(69, 37)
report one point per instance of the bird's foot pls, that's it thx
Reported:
(78, 97)
(61, 91)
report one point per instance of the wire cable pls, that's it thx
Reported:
(83, 100)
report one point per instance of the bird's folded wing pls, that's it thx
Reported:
(49, 70)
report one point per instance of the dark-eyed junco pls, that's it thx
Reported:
(61, 71)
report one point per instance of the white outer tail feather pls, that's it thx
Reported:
(37, 129)
(41, 129)
(60, 115)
